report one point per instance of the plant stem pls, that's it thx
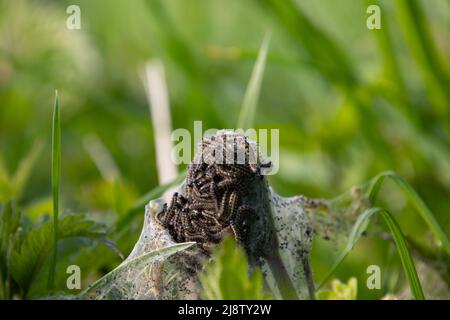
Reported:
(56, 172)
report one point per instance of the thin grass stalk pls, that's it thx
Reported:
(250, 103)
(402, 249)
(417, 202)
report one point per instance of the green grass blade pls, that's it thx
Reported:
(56, 177)
(405, 257)
(248, 110)
(417, 202)
(135, 263)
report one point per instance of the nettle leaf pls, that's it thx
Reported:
(30, 255)
(227, 277)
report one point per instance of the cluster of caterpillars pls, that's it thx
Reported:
(214, 202)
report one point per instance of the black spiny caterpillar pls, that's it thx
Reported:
(214, 201)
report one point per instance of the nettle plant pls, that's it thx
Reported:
(186, 248)
(31, 251)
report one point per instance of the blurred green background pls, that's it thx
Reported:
(349, 102)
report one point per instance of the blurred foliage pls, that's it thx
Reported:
(340, 291)
(349, 102)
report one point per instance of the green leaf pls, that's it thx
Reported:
(30, 255)
(56, 173)
(340, 291)
(227, 277)
(417, 202)
(405, 257)
(9, 223)
(248, 110)
(137, 263)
